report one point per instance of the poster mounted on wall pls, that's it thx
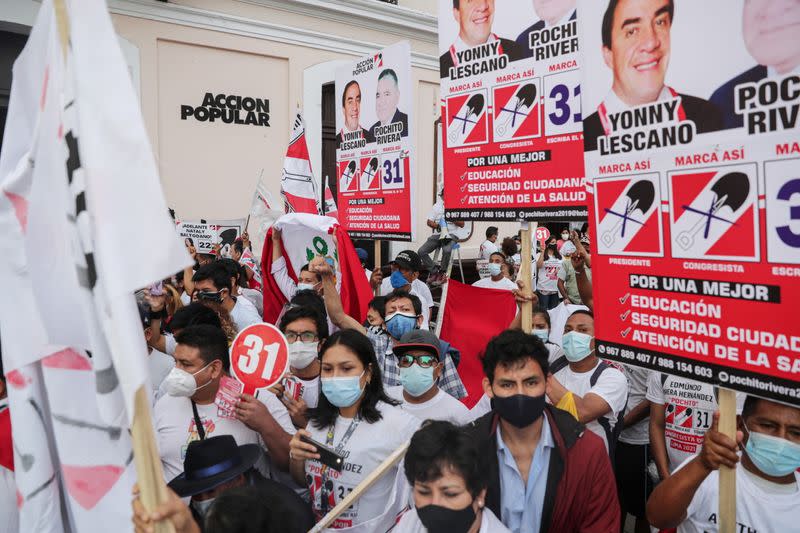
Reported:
(510, 89)
(695, 203)
(374, 147)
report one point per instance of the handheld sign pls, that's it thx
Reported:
(259, 357)
(542, 234)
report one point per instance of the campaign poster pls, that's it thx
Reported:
(374, 145)
(511, 110)
(205, 234)
(692, 145)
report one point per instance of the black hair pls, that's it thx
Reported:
(297, 313)
(232, 267)
(509, 246)
(501, 254)
(379, 304)
(215, 271)
(399, 293)
(248, 509)
(546, 316)
(388, 73)
(456, 4)
(325, 413)
(307, 268)
(491, 230)
(349, 83)
(238, 245)
(242, 278)
(556, 253)
(209, 340)
(309, 298)
(608, 20)
(581, 312)
(192, 315)
(439, 445)
(750, 403)
(511, 348)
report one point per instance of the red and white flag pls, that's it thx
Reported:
(467, 325)
(297, 182)
(304, 237)
(81, 210)
(331, 209)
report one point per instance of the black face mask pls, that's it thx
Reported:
(437, 519)
(519, 410)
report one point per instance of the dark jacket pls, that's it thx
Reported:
(399, 116)
(523, 42)
(724, 97)
(581, 494)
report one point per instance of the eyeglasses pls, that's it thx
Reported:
(305, 336)
(424, 361)
(209, 296)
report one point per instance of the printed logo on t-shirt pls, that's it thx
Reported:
(208, 425)
(336, 489)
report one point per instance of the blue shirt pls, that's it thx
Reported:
(521, 504)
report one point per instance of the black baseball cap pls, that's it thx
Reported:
(408, 259)
(417, 339)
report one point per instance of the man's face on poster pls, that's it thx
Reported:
(551, 11)
(474, 19)
(771, 31)
(640, 47)
(387, 97)
(352, 107)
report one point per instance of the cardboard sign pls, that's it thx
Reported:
(259, 357)
(695, 196)
(205, 234)
(542, 233)
(374, 145)
(511, 111)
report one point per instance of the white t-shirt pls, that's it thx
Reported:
(410, 523)
(487, 249)
(761, 506)
(639, 433)
(175, 429)
(309, 390)
(366, 448)
(688, 408)
(159, 365)
(418, 289)
(440, 407)
(254, 297)
(489, 283)
(548, 275)
(483, 406)
(244, 314)
(612, 386)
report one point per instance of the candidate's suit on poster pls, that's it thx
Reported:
(522, 40)
(724, 96)
(399, 116)
(510, 48)
(704, 114)
(364, 134)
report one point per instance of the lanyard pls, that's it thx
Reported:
(201, 431)
(602, 112)
(325, 490)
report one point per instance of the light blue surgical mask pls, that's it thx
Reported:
(399, 324)
(543, 334)
(342, 391)
(398, 280)
(494, 269)
(417, 380)
(774, 456)
(576, 346)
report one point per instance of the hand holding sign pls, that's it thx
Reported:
(259, 357)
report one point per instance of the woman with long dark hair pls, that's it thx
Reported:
(356, 419)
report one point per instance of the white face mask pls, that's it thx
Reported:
(302, 354)
(203, 506)
(181, 383)
(305, 287)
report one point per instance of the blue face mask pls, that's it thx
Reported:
(342, 391)
(774, 456)
(399, 324)
(398, 280)
(576, 346)
(494, 269)
(417, 380)
(543, 334)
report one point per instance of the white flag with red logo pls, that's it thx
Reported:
(331, 209)
(297, 182)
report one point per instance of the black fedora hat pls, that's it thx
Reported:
(212, 462)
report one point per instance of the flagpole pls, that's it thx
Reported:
(526, 230)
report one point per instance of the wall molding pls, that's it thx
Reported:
(226, 23)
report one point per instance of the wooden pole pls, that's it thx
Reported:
(377, 263)
(727, 476)
(527, 230)
(362, 487)
(442, 303)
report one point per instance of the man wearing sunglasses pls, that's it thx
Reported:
(212, 288)
(420, 366)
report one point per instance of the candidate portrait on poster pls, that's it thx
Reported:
(387, 98)
(351, 116)
(551, 13)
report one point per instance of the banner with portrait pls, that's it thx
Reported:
(511, 110)
(374, 145)
(692, 144)
(204, 235)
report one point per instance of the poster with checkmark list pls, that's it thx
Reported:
(694, 191)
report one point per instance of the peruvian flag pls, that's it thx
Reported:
(331, 209)
(466, 324)
(304, 237)
(297, 182)
(249, 261)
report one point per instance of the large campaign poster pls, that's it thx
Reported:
(374, 145)
(692, 147)
(511, 110)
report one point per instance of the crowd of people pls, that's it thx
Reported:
(561, 440)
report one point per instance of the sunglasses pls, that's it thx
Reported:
(424, 361)
(210, 296)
